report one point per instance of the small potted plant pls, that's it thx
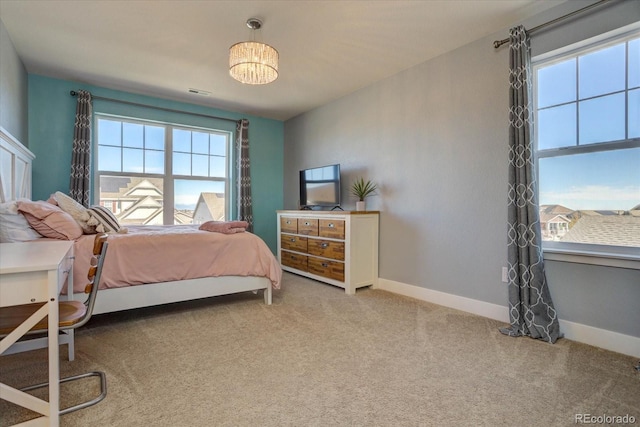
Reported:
(362, 189)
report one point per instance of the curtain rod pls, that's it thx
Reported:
(171, 110)
(498, 43)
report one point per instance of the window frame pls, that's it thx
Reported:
(603, 255)
(168, 178)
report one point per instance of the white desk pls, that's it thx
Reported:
(33, 272)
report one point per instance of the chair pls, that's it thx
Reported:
(72, 315)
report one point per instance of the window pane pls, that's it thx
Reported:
(200, 165)
(132, 160)
(181, 164)
(602, 71)
(132, 135)
(154, 161)
(140, 199)
(200, 143)
(557, 127)
(133, 200)
(218, 145)
(109, 132)
(602, 119)
(109, 159)
(601, 187)
(154, 137)
(218, 166)
(593, 181)
(181, 140)
(211, 205)
(634, 63)
(634, 113)
(557, 83)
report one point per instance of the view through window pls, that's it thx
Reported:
(152, 173)
(588, 144)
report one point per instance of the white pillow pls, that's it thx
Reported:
(104, 220)
(76, 210)
(14, 226)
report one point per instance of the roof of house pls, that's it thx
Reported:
(616, 230)
(554, 209)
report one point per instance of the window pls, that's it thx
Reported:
(587, 132)
(151, 173)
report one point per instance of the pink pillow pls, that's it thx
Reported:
(49, 220)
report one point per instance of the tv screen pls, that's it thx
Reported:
(320, 186)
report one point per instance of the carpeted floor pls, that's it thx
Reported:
(318, 357)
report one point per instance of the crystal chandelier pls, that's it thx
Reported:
(252, 62)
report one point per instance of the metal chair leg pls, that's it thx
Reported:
(103, 390)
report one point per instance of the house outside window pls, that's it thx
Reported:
(151, 173)
(587, 146)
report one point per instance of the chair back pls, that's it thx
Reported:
(100, 246)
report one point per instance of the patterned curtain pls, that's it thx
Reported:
(245, 210)
(531, 310)
(81, 154)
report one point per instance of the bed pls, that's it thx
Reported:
(199, 264)
(152, 265)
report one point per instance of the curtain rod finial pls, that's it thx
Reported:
(498, 43)
(73, 93)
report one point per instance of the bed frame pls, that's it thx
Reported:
(15, 182)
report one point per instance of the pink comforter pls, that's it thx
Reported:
(153, 254)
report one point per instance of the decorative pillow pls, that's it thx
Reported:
(14, 226)
(76, 210)
(104, 220)
(49, 220)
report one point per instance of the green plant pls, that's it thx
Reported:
(361, 188)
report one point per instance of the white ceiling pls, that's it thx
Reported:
(327, 48)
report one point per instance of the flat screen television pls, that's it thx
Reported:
(320, 187)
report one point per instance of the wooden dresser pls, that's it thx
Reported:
(335, 247)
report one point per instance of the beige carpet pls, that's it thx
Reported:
(318, 357)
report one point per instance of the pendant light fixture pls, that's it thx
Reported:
(252, 62)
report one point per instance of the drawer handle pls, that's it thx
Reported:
(292, 257)
(307, 223)
(325, 265)
(324, 245)
(288, 222)
(331, 225)
(293, 239)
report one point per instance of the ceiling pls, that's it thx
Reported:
(328, 49)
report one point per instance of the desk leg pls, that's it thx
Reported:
(54, 351)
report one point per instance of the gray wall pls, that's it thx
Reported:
(434, 138)
(13, 89)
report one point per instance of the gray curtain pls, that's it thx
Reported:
(531, 310)
(245, 210)
(81, 152)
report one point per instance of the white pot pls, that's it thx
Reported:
(361, 205)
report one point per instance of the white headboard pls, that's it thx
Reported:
(15, 168)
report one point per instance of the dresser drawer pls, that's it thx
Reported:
(332, 228)
(325, 268)
(288, 224)
(308, 226)
(326, 248)
(293, 243)
(297, 261)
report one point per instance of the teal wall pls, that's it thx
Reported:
(51, 115)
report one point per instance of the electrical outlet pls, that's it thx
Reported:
(505, 275)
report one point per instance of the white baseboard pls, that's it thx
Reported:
(614, 341)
